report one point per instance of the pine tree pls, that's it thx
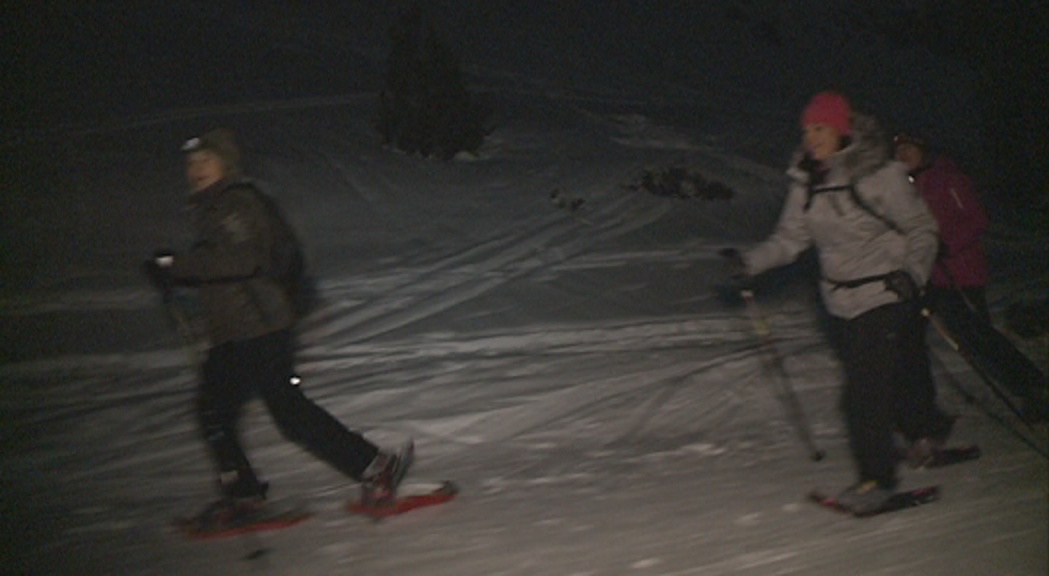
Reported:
(426, 108)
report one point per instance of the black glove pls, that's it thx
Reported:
(158, 271)
(902, 285)
(736, 267)
(734, 260)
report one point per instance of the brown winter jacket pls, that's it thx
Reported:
(233, 239)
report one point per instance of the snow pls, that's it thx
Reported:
(603, 408)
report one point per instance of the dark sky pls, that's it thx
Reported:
(70, 64)
(118, 58)
(75, 64)
(78, 64)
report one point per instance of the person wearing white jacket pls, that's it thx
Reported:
(876, 243)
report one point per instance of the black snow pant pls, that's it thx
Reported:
(888, 387)
(234, 373)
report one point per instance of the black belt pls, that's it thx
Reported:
(857, 282)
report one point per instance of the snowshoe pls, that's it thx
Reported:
(229, 517)
(407, 499)
(884, 502)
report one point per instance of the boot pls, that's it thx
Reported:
(864, 497)
(238, 487)
(380, 480)
(923, 450)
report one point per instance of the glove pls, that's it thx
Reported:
(164, 258)
(158, 270)
(902, 285)
(736, 267)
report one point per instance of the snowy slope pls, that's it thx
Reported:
(604, 410)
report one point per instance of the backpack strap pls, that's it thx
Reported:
(854, 195)
(813, 191)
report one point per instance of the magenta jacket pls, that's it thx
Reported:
(949, 194)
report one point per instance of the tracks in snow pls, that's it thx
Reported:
(458, 278)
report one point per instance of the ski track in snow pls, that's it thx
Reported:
(668, 404)
(461, 277)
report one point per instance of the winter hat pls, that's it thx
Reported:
(828, 108)
(222, 142)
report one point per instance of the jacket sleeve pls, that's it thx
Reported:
(233, 242)
(898, 201)
(790, 238)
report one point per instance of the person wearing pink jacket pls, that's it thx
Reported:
(956, 292)
(959, 276)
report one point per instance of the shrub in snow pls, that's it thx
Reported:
(425, 107)
(562, 200)
(680, 182)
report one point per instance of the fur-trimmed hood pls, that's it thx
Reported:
(869, 151)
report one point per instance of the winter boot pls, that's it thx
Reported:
(230, 511)
(923, 451)
(235, 486)
(380, 480)
(864, 497)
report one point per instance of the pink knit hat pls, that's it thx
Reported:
(828, 108)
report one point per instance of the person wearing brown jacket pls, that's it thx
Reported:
(250, 323)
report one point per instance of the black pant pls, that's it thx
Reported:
(888, 387)
(237, 371)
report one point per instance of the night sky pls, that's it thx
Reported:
(73, 66)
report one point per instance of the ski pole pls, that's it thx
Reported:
(775, 361)
(970, 357)
(184, 328)
(953, 343)
(961, 293)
